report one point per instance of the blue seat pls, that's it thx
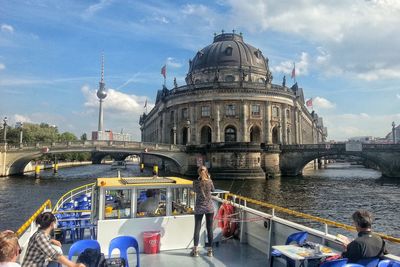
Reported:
(79, 246)
(353, 265)
(122, 243)
(369, 262)
(334, 263)
(85, 223)
(299, 238)
(68, 225)
(388, 263)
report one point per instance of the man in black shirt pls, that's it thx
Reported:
(367, 244)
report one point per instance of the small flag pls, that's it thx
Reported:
(164, 71)
(145, 103)
(294, 71)
(309, 102)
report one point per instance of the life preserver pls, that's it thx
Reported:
(225, 216)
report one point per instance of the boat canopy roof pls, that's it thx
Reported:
(143, 182)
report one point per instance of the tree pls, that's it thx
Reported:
(84, 137)
(67, 136)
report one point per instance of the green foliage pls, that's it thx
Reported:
(45, 134)
(84, 137)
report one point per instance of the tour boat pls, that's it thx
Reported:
(247, 232)
(120, 164)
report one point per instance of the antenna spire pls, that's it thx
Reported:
(102, 67)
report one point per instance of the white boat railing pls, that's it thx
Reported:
(69, 196)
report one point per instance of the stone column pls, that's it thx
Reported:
(164, 128)
(296, 125)
(300, 128)
(268, 134)
(192, 129)
(174, 131)
(284, 125)
(244, 119)
(218, 129)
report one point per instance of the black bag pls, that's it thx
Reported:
(91, 258)
(115, 262)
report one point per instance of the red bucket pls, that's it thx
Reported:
(151, 242)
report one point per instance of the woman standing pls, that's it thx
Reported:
(41, 249)
(203, 187)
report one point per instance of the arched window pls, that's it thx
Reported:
(288, 137)
(184, 136)
(255, 134)
(229, 78)
(171, 137)
(228, 51)
(275, 111)
(275, 137)
(205, 135)
(230, 134)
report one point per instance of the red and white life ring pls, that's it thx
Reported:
(225, 216)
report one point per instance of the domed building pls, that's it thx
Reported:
(229, 113)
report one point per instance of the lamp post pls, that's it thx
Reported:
(394, 132)
(5, 130)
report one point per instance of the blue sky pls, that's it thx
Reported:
(346, 53)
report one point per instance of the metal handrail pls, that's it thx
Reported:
(28, 223)
(306, 216)
(71, 193)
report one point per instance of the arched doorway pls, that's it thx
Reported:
(275, 137)
(205, 135)
(255, 134)
(230, 134)
(184, 136)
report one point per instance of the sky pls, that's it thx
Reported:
(346, 54)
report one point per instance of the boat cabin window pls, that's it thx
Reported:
(117, 204)
(151, 202)
(182, 201)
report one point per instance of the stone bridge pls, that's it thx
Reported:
(231, 160)
(14, 159)
(293, 158)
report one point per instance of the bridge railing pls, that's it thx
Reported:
(97, 143)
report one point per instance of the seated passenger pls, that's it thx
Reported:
(150, 204)
(9, 249)
(41, 249)
(367, 244)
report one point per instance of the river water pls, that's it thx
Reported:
(333, 193)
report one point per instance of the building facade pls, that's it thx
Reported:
(229, 98)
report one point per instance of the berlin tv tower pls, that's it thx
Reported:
(101, 94)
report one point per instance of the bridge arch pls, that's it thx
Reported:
(17, 159)
(294, 158)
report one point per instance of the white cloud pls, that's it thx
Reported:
(120, 109)
(2, 66)
(93, 9)
(7, 28)
(173, 63)
(21, 118)
(398, 96)
(322, 103)
(358, 37)
(286, 67)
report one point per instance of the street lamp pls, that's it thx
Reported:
(5, 129)
(394, 132)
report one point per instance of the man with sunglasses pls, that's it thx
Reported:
(9, 249)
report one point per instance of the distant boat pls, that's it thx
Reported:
(120, 164)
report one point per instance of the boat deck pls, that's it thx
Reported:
(229, 253)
